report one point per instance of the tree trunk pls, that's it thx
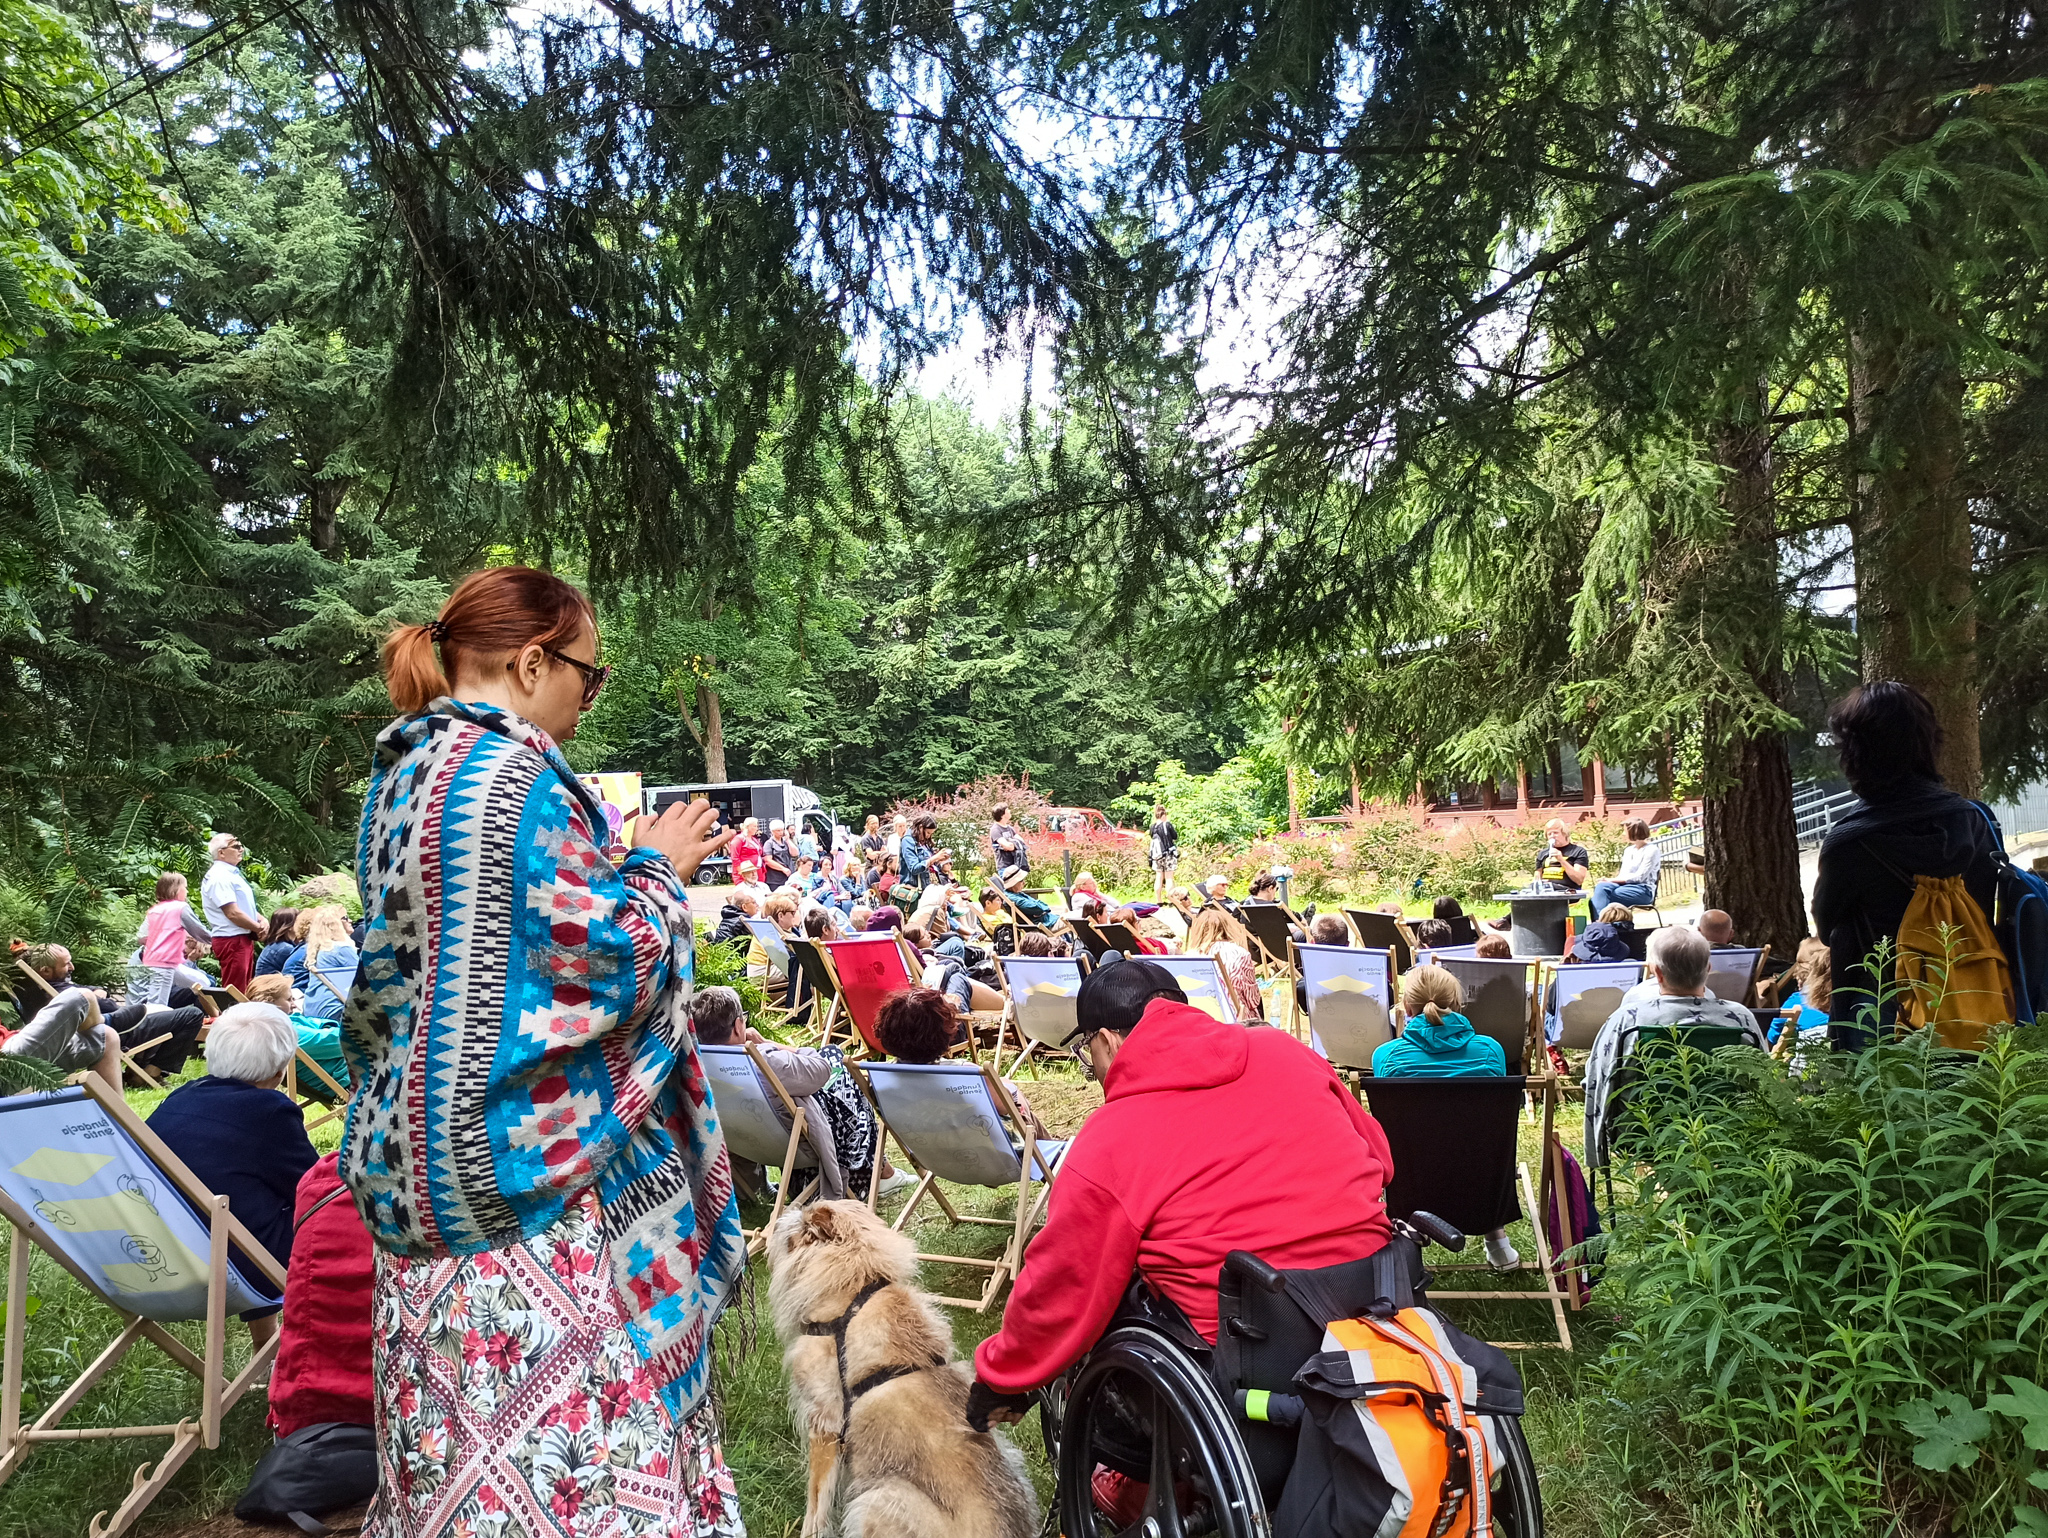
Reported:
(1522, 792)
(1598, 787)
(1752, 845)
(323, 529)
(707, 722)
(1914, 610)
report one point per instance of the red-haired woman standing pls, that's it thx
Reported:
(530, 1141)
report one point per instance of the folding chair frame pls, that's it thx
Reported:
(1274, 963)
(218, 1395)
(836, 1005)
(1756, 972)
(799, 1124)
(1027, 1046)
(1030, 1201)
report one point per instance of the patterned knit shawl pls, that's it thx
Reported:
(519, 1030)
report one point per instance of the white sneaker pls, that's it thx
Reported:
(902, 1180)
(1502, 1255)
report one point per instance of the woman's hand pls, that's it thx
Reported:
(683, 834)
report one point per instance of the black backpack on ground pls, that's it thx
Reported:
(318, 1469)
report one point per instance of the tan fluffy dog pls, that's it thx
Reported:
(911, 1468)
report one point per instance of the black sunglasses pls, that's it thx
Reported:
(594, 677)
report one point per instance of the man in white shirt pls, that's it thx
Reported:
(1679, 958)
(231, 917)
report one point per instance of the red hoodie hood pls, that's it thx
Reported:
(1176, 1047)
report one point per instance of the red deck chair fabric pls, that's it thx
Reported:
(869, 971)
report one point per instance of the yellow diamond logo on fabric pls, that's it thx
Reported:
(62, 1166)
(1345, 984)
(1057, 990)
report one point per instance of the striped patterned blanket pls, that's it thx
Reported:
(519, 1030)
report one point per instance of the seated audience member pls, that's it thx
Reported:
(1718, 930)
(1679, 959)
(1264, 888)
(1813, 994)
(319, 1038)
(1174, 1078)
(918, 1026)
(322, 1370)
(1448, 910)
(1438, 1042)
(1215, 892)
(1431, 935)
(1036, 942)
(86, 1028)
(317, 928)
(1215, 932)
(333, 970)
(823, 924)
(1150, 945)
(857, 918)
(242, 1138)
(732, 918)
(167, 930)
(780, 908)
(1636, 882)
(295, 964)
(1092, 906)
(1329, 929)
(886, 877)
(278, 943)
(1607, 937)
(945, 968)
(843, 1131)
(1493, 946)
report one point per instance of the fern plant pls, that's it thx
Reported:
(1837, 1289)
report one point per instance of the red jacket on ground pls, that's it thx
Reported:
(1211, 1138)
(322, 1372)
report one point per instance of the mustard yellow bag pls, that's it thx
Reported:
(1951, 970)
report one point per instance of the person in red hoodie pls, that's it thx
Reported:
(1211, 1138)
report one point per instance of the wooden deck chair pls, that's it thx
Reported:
(1454, 1143)
(751, 1127)
(827, 1002)
(87, 1183)
(956, 1122)
(1350, 1001)
(1583, 997)
(1267, 924)
(1382, 931)
(128, 1054)
(1732, 973)
(1501, 1001)
(1201, 979)
(1119, 938)
(1043, 991)
(872, 968)
(1093, 941)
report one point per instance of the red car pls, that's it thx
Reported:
(1081, 822)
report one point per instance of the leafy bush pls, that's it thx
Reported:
(1219, 808)
(1836, 1291)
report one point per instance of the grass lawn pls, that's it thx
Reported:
(63, 1486)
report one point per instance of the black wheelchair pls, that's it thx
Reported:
(1157, 1404)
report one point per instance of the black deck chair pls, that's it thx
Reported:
(1092, 938)
(823, 990)
(1500, 1001)
(1455, 1148)
(1464, 930)
(1379, 931)
(1118, 937)
(1269, 926)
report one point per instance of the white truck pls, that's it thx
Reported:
(736, 801)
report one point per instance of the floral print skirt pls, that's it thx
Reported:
(512, 1403)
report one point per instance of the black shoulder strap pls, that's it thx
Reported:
(330, 1196)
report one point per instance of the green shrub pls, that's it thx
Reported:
(1836, 1291)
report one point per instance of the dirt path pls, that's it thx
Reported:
(227, 1525)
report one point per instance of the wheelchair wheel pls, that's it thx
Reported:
(1517, 1502)
(1141, 1406)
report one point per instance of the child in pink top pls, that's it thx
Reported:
(164, 929)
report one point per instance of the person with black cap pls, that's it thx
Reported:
(1212, 1137)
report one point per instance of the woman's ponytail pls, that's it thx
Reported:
(1434, 1015)
(1430, 990)
(412, 673)
(492, 613)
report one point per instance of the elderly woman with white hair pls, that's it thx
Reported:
(242, 1137)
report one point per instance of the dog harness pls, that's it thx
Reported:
(836, 1328)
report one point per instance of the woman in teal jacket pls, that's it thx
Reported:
(1438, 1042)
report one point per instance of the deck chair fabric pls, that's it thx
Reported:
(1201, 979)
(1456, 1154)
(1043, 992)
(1269, 926)
(1350, 1001)
(1437, 955)
(826, 1003)
(1499, 999)
(1119, 938)
(1382, 931)
(84, 1180)
(752, 1129)
(869, 970)
(956, 1122)
(773, 942)
(1583, 998)
(1732, 973)
(1092, 938)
